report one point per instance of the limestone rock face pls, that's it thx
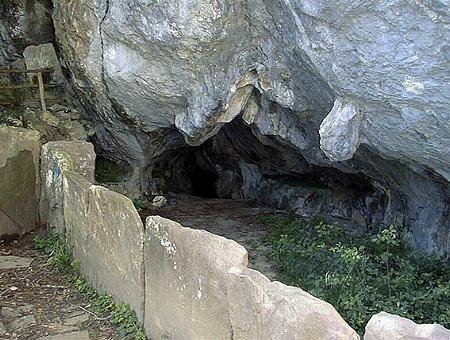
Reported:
(284, 66)
(24, 23)
(384, 326)
(339, 131)
(160, 63)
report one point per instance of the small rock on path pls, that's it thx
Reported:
(13, 262)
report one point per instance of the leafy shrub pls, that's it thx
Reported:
(7, 116)
(361, 276)
(140, 202)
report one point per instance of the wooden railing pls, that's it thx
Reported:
(40, 85)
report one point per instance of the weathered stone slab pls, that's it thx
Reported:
(19, 180)
(261, 309)
(13, 262)
(384, 326)
(82, 335)
(198, 287)
(186, 272)
(107, 237)
(58, 157)
(43, 56)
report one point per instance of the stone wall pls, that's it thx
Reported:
(57, 157)
(19, 180)
(198, 287)
(384, 326)
(185, 283)
(102, 227)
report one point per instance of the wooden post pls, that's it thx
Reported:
(41, 91)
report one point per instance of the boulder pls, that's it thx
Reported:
(56, 158)
(19, 180)
(385, 326)
(159, 201)
(43, 56)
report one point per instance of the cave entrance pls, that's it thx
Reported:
(227, 183)
(203, 182)
(240, 163)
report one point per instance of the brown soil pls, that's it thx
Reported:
(52, 298)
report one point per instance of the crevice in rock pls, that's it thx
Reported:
(100, 29)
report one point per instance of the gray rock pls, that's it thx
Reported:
(43, 122)
(2, 328)
(260, 309)
(73, 130)
(339, 131)
(56, 158)
(384, 326)
(10, 313)
(26, 309)
(14, 262)
(159, 201)
(82, 335)
(50, 119)
(22, 323)
(19, 168)
(58, 328)
(112, 258)
(43, 56)
(186, 281)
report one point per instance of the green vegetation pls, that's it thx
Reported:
(7, 116)
(119, 314)
(140, 203)
(361, 276)
(107, 171)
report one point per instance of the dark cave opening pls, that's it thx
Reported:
(183, 171)
(238, 162)
(203, 182)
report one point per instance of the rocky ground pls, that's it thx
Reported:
(38, 303)
(235, 219)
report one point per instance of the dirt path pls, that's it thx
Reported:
(37, 302)
(234, 219)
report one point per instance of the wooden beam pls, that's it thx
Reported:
(42, 70)
(41, 91)
(26, 86)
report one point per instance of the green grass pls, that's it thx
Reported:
(125, 320)
(361, 276)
